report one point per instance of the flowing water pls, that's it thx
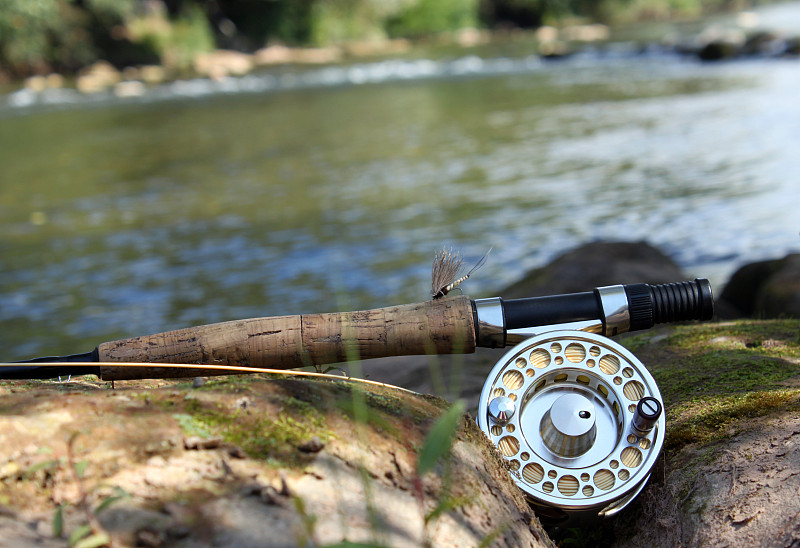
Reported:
(331, 188)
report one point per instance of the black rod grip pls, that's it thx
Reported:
(673, 302)
(554, 309)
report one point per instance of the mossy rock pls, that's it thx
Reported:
(261, 461)
(246, 461)
(730, 473)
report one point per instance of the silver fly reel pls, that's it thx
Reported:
(579, 421)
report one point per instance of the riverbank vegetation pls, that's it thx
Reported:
(63, 36)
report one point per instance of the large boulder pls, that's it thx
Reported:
(269, 461)
(765, 289)
(731, 468)
(597, 264)
(247, 462)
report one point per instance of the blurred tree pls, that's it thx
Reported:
(424, 17)
(175, 41)
(250, 24)
(31, 29)
(604, 11)
(511, 13)
(535, 13)
(335, 21)
(64, 35)
(106, 24)
(45, 35)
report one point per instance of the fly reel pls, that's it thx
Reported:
(579, 421)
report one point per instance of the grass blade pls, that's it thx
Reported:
(440, 438)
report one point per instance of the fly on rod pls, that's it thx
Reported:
(446, 269)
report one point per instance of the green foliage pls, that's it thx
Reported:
(425, 17)
(334, 21)
(58, 521)
(489, 539)
(79, 533)
(259, 22)
(306, 535)
(118, 493)
(111, 11)
(36, 33)
(23, 28)
(175, 42)
(49, 466)
(41, 35)
(445, 504)
(95, 540)
(440, 438)
(80, 468)
(86, 535)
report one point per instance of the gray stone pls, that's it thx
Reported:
(598, 264)
(765, 289)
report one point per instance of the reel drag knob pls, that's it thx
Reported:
(648, 411)
(568, 428)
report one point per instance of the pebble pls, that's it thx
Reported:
(314, 445)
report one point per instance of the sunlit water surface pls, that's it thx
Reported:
(332, 188)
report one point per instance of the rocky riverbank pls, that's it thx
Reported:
(260, 461)
(248, 462)
(743, 39)
(731, 467)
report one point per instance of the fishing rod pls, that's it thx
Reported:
(443, 325)
(577, 417)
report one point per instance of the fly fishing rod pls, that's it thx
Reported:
(576, 416)
(443, 325)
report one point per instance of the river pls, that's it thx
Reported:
(331, 188)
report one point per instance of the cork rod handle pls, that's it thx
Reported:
(287, 342)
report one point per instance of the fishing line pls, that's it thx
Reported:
(226, 368)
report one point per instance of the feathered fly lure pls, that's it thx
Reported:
(446, 270)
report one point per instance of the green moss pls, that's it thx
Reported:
(191, 426)
(707, 419)
(270, 437)
(716, 359)
(776, 337)
(356, 411)
(281, 414)
(637, 341)
(712, 376)
(237, 381)
(391, 413)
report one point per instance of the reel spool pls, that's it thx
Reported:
(579, 420)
